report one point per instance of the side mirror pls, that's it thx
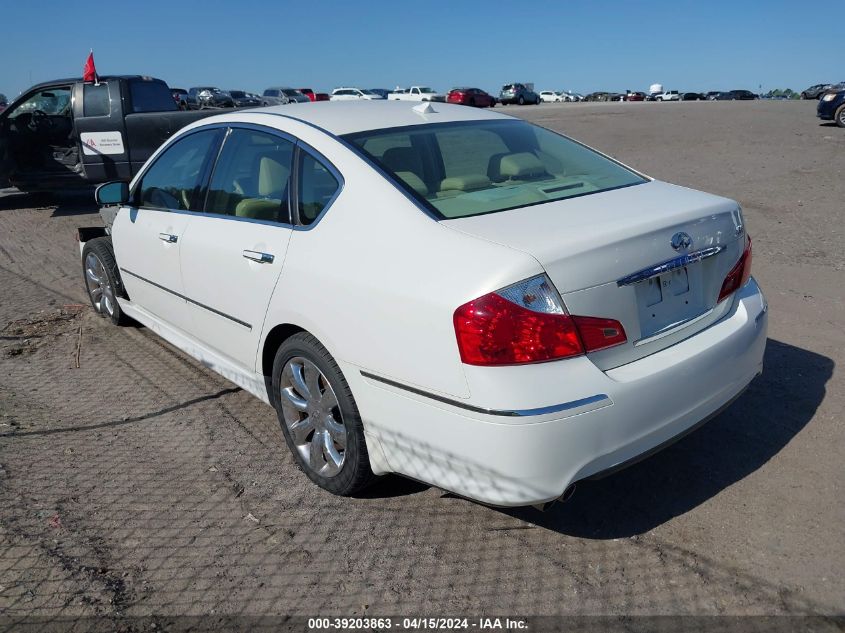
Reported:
(111, 193)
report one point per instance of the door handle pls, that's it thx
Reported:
(167, 237)
(261, 258)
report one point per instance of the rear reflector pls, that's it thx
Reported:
(738, 275)
(527, 323)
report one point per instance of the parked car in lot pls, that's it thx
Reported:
(832, 106)
(243, 99)
(815, 92)
(635, 96)
(66, 134)
(570, 96)
(567, 315)
(692, 96)
(598, 96)
(550, 96)
(4, 102)
(713, 95)
(519, 94)
(180, 96)
(741, 95)
(382, 92)
(416, 93)
(471, 97)
(354, 94)
(668, 95)
(282, 95)
(202, 97)
(314, 96)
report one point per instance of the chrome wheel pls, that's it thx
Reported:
(312, 416)
(99, 286)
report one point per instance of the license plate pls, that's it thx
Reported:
(668, 299)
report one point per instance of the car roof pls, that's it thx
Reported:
(347, 117)
(101, 78)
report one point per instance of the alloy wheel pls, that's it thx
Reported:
(98, 284)
(312, 416)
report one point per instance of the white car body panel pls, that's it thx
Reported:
(377, 281)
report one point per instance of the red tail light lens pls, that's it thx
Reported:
(599, 333)
(738, 275)
(526, 323)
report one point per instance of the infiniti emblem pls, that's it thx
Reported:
(681, 240)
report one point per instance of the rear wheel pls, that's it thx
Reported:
(102, 279)
(319, 417)
(521, 100)
(840, 116)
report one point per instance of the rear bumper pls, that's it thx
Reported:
(532, 456)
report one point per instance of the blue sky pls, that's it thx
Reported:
(581, 46)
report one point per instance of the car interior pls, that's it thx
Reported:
(40, 132)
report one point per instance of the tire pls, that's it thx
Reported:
(303, 355)
(102, 279)
(839, 116)
(521, 100)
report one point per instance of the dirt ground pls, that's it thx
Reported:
(142, 484)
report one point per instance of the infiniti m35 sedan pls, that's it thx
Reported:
(447, 293)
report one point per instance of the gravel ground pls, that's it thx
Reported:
(142, 484)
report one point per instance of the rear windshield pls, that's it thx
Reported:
(472, 168)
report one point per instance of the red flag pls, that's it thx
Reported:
(89, 72)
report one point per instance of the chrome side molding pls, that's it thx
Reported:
(668, 265)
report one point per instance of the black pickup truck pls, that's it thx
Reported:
(66, 133)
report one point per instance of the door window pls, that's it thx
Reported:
(317, 187)
(174, 180)
(251, 177)
(51, 101)
(95, 100)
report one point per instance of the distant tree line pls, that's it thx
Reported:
(788, 93)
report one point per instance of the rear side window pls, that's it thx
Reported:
(151, 96)
(174, 179)
(477, 167)
(317, 187)
(95, 100)
(252, 176)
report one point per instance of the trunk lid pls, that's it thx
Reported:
(610, 255)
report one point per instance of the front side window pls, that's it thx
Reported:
(251, 177)
(317, 187)
(477, 167)
(174, 179)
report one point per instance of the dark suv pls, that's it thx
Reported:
(815, 92)
(832, 105)
(518, 93)
(202, 97)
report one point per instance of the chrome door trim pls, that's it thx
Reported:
(188, 299)
(669, 265)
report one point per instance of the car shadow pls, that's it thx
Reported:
(78, 202)
(774, 409)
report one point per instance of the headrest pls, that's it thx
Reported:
(470, 182)
(413, 181)
(521, 165)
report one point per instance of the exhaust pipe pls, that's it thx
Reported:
(566, 496)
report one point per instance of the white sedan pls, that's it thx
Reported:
(450, 294)
(550, 96)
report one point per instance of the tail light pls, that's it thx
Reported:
(738, 275)
(527, 323)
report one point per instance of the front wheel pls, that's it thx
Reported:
(319, 417)
(521, 100)
(102, 279)
(840, 116)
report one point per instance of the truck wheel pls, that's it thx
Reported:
(102, 279)
(319, 417)
(839, 117)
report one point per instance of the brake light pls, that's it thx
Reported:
(738, 275)
(527, 323)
